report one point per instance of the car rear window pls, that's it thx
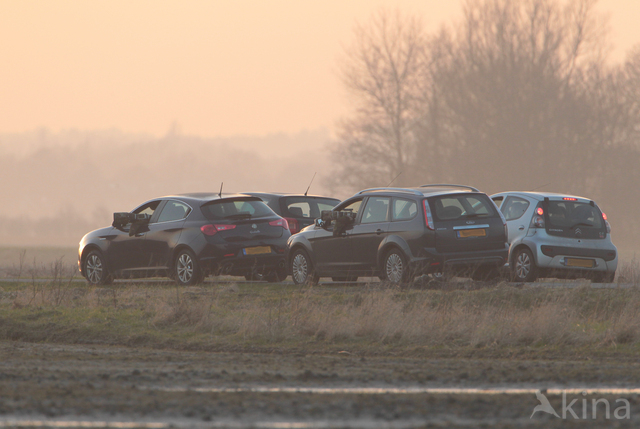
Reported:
(308, 208)
(571, 214)
(451, 207)
(236, 208)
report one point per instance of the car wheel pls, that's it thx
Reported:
(349, 279)
(95, 269)
(395, 268)
(186, 269)
(302, 269)
(524, 266)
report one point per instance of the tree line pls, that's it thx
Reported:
(519, 95)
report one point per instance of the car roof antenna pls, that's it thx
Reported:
(220, 193)
(394, 179)
(314, 176)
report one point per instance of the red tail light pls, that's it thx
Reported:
(570, 199)
(294, 226)
(213, 229)
(539, 211)
(427, 215)
(606, 222)
(280, 222)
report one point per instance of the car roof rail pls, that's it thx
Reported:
(451, 185)
(408, 191)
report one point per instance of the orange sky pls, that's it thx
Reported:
(217, 68)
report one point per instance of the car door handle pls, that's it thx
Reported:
(521, 227)
(379, 231)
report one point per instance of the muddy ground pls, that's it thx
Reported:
(43, 383)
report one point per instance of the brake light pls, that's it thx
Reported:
(294, 226)
(570, 199)
(427, 215)
(538, 218)
(213, 229)
(280, 222)
(606, 222)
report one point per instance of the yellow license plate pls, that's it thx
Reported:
(257, 250)
(472, 233)
(582, 263)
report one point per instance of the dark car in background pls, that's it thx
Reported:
(300, 210)
(398, 233)
(187, 237)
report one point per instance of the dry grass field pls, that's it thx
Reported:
(137, 352)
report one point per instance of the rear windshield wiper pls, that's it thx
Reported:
(475, 215)
(239, 216)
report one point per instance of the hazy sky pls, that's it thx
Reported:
(217, 68)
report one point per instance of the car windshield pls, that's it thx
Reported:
(236, 209)
(452, 207)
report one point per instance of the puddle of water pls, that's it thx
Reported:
(407, 390)
(355, 424)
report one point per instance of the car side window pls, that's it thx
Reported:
(514, 207)
(148, 208)
(404, 209)
(354, 207)
(376, 210)
(173, 210)
(498, 201)
(300, 209)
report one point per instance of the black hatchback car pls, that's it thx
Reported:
(300, 210)
(398, 233)
(187, 237)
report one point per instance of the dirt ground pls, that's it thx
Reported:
(47, 385)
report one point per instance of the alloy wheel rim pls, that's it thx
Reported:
(394, 268)
(185, 268)
(300, 268)
(523, 265)
(94, 269)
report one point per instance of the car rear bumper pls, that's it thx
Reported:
(434, 261)
(234, 262)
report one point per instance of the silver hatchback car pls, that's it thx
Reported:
(557, 235)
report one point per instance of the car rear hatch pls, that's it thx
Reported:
(243, 219)
(572, 217)
(466, 222)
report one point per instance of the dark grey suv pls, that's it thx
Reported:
(398, 233)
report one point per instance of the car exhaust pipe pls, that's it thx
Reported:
(281, 264)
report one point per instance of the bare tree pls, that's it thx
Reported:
(381, 71)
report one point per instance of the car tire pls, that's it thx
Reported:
(186, 269)
(395, 267)
(301, 268)
(524, 266)
(349, 279)
(95, 269)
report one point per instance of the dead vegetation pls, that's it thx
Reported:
(359, 318)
